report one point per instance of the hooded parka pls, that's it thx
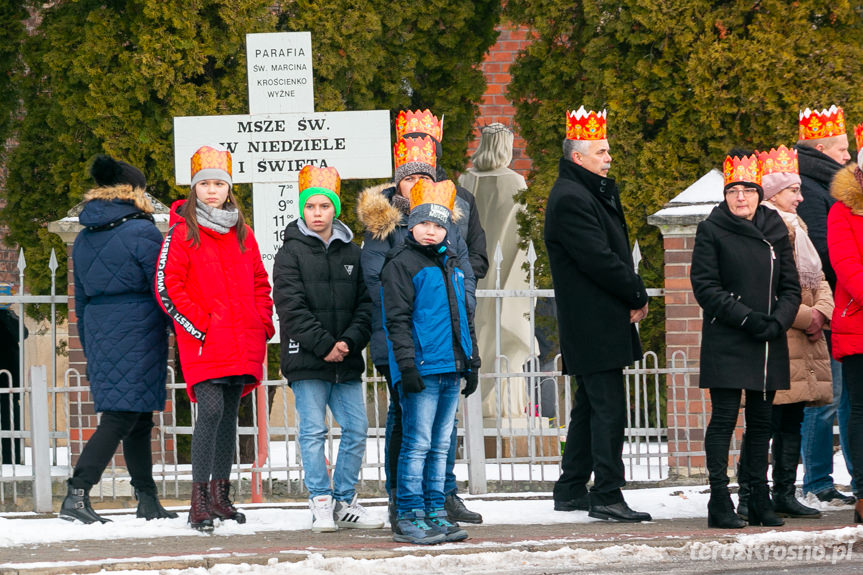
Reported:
(321, 298)
(816, 172)
(811, 378)
(219, 298)
(845, 238)
(122, 330)
(386, 228)
(740, 266)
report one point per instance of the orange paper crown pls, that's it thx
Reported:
(778, 160)
(746, 169)
(584, 125)
(823, 124)
(419, 122)
(858, 135)
(207, 158)
(326, 178)
(408, 150)
(440, 193)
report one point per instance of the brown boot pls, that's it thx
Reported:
(220, 504)
(200, 516)
(858, 511)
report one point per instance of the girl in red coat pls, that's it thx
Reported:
(212, 282)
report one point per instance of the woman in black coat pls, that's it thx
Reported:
(744, 278)
(123, 334)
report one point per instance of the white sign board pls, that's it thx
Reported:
(275, 206)
(274, 148)
(280, 73)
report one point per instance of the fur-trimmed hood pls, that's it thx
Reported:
(847, 187)
(123, 192)
(380, 217)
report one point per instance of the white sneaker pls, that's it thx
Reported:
(322, 514)
(353, 515)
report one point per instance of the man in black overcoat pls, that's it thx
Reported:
(599, 299)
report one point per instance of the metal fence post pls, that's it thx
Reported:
(40, 439)
(474, 443)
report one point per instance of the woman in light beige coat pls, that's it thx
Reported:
(811, 381)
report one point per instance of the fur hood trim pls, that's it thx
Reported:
(380, 217)
(848, 189)
(123, 192)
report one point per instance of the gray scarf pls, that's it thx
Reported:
(220, 221)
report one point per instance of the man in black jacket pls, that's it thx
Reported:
(325, 315)
(599, 299)
(822, 150)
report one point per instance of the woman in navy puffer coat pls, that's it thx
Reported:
(122, 331)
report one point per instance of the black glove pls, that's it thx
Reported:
(471, 381)
(771, 331)
(412, 382)
(756, 322)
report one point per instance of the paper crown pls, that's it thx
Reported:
(858, 135)
(823, 124)
(440, 193)
(419, 122)
(326, 178)
(409, 150)
(207, 158)
(745, 169)
(584, 125)
(778, 160)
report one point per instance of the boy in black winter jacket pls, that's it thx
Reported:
(325, 315)
(431, 344)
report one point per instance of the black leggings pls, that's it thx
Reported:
(717, 440)
(852, 369)
(215, 435)
(133, 429)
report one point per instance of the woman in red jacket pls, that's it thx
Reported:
(212, 282)
(845, 242)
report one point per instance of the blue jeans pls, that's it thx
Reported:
(428, 418)
(346, 402)
(817, 431)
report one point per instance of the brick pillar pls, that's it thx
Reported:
(495, 106)
(688, 406)
(83, 419)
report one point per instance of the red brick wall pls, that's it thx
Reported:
(495, 106)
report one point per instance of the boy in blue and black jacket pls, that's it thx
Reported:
(432, 344)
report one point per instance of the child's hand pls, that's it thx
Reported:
(412, 381)
(471, 382)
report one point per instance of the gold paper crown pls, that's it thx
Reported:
(746, 169)
(440, 193)
(823, 124)
(409, 150)
(778, 160)
(419, 122)
(584, 125)
(858, 135)
(327, 178)
(207, 158)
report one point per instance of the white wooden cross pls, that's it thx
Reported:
(282, 134)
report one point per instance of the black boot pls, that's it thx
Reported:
(76, 506)
(720, 511)
(761, 508)
(456, 510)
(786, 455)
(392, 512)
(150, 508)
(743, 485)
